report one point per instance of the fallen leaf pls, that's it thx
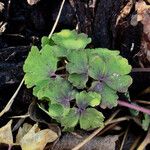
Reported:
(141, 7)
(32, 2)
(6, 134)
(143, 15)
(35, 139)
(1, 6)
(22, 131)
(2, 27)
(69, 141)
(125, 11)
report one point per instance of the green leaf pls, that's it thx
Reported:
(60, 51)
(91, 119)
(46, 41)
(119, 83)
(102, 52)
(58, 91)
(39, 66)
(117, 65)
(57, 111)
(109, 96)
(84, 99)
(97, 68)
(70, 120)
(78, 80)
(78, 62)
(71, 40)
(146, 122)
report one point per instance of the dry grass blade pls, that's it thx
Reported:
(7, 107)
(32, 2)
(145, 142)
(21, 116)
(134, 145)
(57, 19)
(124, 138)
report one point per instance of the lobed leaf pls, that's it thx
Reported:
(85, 99)
(78, 80)
(70, 120)
(58, 90)
(71, 40)
(91, 119)
(39, 66)
(109, 96)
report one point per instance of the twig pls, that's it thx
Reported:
(124, 138)
(142, 102)
(134, 145)
(57, 19)
(21, 116)
(145, 142)
(95, 132)
(135, 107)
(141, 70)
(7, 107)
(120, 119)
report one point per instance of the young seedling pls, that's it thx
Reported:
(74, 80)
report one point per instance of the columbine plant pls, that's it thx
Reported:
(74, 80)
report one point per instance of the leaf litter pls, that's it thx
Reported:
(28, 136)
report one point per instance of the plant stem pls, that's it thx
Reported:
(135, 107)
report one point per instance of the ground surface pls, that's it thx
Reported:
(99, 19)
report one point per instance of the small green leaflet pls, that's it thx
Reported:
(58, 90)
(78, 74)
(109, 96)
(39, 66)
(85, 99)
(71, 40)
(91, 119)
(70, 120)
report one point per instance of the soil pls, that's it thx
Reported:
(27, 24)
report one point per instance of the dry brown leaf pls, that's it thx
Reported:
(6, 134)
(32, 2)
(69, 141)
(125, 11)
(22, 131)
(36, 139)
(2, 27)
(141, 7)
(1, 6)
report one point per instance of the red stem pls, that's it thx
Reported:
(135, 107)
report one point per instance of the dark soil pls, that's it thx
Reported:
(27, 24)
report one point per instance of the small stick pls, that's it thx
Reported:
(134, 145)
(145, 142)
(57, 19)
(132, 106)
(141, 70)
(124, 138)
(7, 107)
